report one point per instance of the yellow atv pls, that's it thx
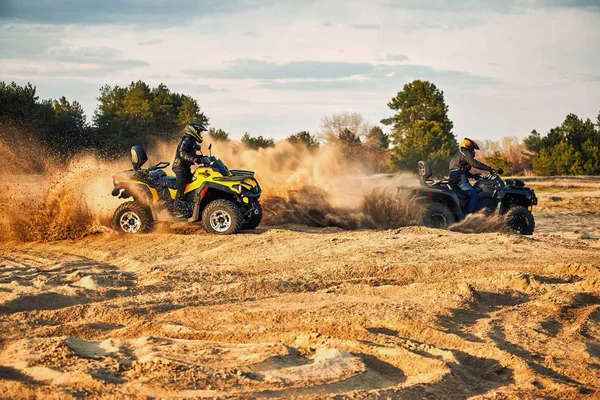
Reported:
(225, 200)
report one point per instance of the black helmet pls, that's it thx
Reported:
(195, 129)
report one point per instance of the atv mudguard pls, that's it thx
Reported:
(509, 197)
(210, 191)
(447, 197)
(140, 192)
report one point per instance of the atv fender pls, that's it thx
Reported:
(208, 192)
(448, 198)
(140, 192)
(509, 198)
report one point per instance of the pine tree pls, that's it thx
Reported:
(421, 129)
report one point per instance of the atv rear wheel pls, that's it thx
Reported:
(437, 215)
(520, 220)
(222, 217)
(255, 217)
(133, 217)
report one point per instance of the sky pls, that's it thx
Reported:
(273, 68)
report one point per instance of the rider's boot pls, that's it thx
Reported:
(180, 210)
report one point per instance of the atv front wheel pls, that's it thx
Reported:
(255, 217)
(437, 215)
(133, 217)
(222, 217)
(520, 220)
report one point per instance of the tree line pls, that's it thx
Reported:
(420, 129)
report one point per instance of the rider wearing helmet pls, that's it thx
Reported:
(185, 157)
(460, 170)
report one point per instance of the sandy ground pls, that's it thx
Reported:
(293, 311)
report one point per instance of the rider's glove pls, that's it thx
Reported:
(478, 176)
(198, 160)
(493, 171)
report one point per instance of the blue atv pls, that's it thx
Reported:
(444, 205)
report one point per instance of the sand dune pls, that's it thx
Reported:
(309, 312)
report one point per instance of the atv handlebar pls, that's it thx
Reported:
(493, 179)
(491, 175)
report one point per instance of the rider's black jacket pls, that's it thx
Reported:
(461, 164)
(185, 154)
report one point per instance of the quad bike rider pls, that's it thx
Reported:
(460, 171)
(444, 204)
(185, 157)
(224, 200)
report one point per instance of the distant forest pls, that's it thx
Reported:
(419, 129)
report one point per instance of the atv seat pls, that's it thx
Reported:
(167, 182)
(424, 173)
(139, 158)
(160, 178)
(156, 174)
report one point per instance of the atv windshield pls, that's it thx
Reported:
(219, 166)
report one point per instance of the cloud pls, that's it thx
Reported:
(123, 12)
(508, 6)
(408, 72)
(105, 57)
(150, 42)
(371, 27)
(196, 88)
(396, 57)
(257, 69)
(40, 50)
(57, 61)
(17, 41)
(312, 85)
(382, 77)
(582, 77)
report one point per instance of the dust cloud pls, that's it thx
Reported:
(481, 223)
(47, 200)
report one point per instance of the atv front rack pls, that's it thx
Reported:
(236, 175)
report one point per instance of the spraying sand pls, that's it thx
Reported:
(299, 307)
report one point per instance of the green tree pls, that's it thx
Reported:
(256, 143)
(304, 138)
(348, 138)
(591, 155)
(533, 142)
(58, 127)
(498, 160)
(70, 134)
(376, 139)
(376, 150)
(140, 115)
(20, 108)
(421, 129)
(218, 135)
(544, 165)
(190, 111)
(349, 142)
(573, 148)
